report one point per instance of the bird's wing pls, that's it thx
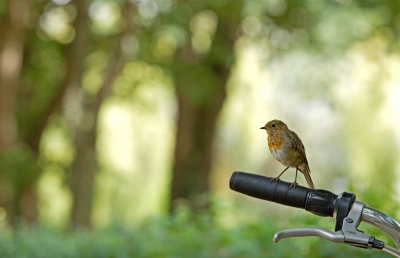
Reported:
(298, 145)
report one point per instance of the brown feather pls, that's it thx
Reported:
(297, 144)
(306, 172)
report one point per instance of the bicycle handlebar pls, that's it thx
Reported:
(347, 212)
(317, 201)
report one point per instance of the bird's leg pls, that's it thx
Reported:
(277, 178)
(295, 181)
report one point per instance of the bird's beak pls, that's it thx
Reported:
(262, 127)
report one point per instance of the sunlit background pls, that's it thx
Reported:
(105, 103)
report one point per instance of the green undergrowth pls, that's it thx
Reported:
(180, 235)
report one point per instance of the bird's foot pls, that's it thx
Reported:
(293, 185)
(275, 178)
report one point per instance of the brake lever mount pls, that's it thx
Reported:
(354, 237)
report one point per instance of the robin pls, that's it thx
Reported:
(287, 148)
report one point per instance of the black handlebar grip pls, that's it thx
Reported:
(319, 202)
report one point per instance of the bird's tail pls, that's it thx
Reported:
(306, 172)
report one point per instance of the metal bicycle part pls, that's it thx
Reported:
(336, 237)
(352, 236)
(382, 221)
(347, 212)
(349, 234)
(392, 251)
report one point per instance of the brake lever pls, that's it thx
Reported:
(336, 237)
(348, 234)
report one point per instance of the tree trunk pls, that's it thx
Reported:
(85, 164)
(84, 142)
(194, 140)
(82, 175)
(11, 57)
(11, 54)
(201, 91)
(76, 51)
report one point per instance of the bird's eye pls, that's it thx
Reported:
(273, 125)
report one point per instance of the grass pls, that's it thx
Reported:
(180, 235)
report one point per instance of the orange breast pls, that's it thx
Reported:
(274, 142)
(270, 146)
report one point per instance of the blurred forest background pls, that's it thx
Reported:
(123, 121)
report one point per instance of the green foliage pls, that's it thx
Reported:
(41, 76)
(3, 8)
(19, 166)
(181, 235)
(171, 44)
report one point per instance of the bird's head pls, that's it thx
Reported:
(273, 126)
